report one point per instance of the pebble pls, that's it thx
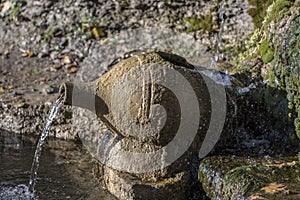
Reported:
(47, 89)
(57, 61)
(44, 52)
(18, 93)
(161, 4)
(53, 55)
(63, 42)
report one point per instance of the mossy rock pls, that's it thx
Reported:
(258, 11)
(285, 69)
(204, 23)
(231, 177)
(276, 42)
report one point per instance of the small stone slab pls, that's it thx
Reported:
(232, 177)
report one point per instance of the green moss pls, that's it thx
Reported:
(15, 10)
(297, 125)
(235, 177)
(262, 14)
(245, 176)
(48, 34)
(264, 47)
(35, 72)
(279, 51)
(270, 78)
(287, 69)
(266, 52)
(279, 9)
(268, 57)
(258, 12)
(204, 23)
(234, 50)
(168, 181)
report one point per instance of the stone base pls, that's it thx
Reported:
(128, 187)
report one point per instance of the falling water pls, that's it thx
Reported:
(36, 159)
(220, 78)
(218, 37)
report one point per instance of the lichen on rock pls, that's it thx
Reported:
(276, 42)
(284, 72)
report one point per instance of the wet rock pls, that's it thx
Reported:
(231, 177)
(10, 141)
(237, 114)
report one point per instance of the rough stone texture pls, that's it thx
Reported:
(232, 177)
(258, 140)
(128, 187)
(99, 141)
(60, 23)
(272, 55)
(30, 120)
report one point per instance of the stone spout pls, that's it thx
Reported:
(83, 96)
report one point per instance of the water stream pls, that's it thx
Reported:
(218, 37)
(36, 160)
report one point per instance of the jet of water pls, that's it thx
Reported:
(36, 159)
(218, 37)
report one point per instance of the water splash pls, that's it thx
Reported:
(36, 159)
(11, 191)
(242, 90)
(212, 73)
(217, 77)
